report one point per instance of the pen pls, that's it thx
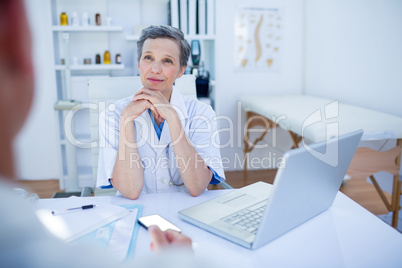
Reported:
(55, 212)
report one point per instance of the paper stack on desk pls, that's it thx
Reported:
(74, 224)
(117, 238)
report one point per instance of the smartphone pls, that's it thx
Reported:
(159, 221)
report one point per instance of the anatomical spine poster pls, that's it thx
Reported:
(258, 39)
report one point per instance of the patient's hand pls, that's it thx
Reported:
(168, 239)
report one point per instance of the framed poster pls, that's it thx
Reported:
(258, 39)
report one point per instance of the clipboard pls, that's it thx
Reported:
(131, 249)
(103, 237)
(70, 226)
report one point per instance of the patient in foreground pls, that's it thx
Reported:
(24, 242)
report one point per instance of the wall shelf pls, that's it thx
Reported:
(91, 67)
(87, 28)
(62, 105)
(188, 37)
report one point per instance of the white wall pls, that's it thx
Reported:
(230, 85)
(37, 146)
(354, 52)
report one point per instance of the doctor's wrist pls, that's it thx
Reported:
(172, 117)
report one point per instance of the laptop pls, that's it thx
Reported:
(258, 213)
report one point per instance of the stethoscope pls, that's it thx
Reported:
(171, 181)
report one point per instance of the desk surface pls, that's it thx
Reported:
(346, 235)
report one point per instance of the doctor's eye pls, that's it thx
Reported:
(168, 61)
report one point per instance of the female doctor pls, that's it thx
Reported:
(157, 140)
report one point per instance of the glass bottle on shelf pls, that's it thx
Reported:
(74, 19)
(106, 57)
(118, 58)
(98, 20)
(98, 59)
(85, 19)
(63, 19)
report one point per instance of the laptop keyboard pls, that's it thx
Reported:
(247, 219)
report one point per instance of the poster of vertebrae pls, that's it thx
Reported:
(258, 39)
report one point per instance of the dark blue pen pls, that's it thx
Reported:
(55, 212)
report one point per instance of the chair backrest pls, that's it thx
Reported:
(107, 90)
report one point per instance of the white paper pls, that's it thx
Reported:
(120, 240)
(74, 224)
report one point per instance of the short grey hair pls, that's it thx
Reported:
(164, 31)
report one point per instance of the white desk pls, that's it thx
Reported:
(346, 235)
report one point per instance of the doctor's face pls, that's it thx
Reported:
(160, 65)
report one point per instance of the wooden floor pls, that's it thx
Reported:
(360, 191)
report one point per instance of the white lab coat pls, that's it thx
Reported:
(157, 156)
